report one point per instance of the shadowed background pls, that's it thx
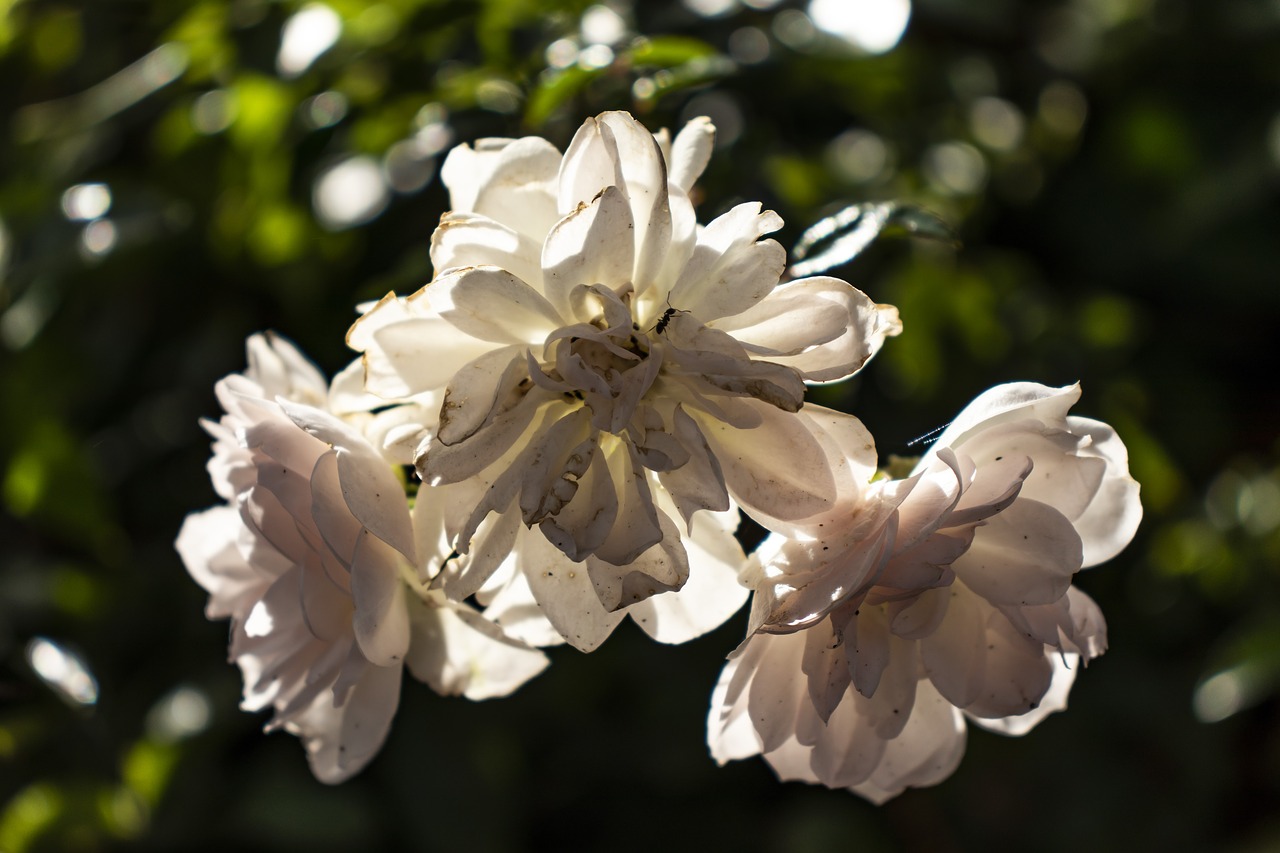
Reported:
(177, 175)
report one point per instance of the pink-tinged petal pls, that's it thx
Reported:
(699, 483)
(326, 607)
(594, 244)
(690, 152)
(866, 645)
(331, 518)
(477, 390)
(1027, 554)
(280, 441)
(381, 619)
(1055, 699)
(369, 487)
(779, 689)
(997, 483)
(889, 710)
(731, 733)
(207, 545)
(1061, 478)
(471, 240)
(826, 668)
(731, 268)
(919, 618)
(509, 603)
(663, 567)
(520, 192)
(955, 655)
(491, 304)
(1015, 401)
(565, 593)
(1087, 634)
(1112, 518)
(341, 741)
(712, 593)
(778, 471)
(1017, 672)
(845, 751)
(458, 653)
(927, 751)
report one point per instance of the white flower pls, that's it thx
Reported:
(605, 365)
(947, 595)
(313, 559)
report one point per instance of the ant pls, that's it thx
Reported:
(661, 325)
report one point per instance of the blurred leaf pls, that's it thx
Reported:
(554, 89)
(839, 238)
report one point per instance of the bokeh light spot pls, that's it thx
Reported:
(871, 26)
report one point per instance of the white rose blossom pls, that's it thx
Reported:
(604, 366)
(942, 597)
(312, 557)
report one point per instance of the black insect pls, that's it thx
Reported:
(661, 325)
(665, 319)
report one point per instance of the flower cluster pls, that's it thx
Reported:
(562, 429)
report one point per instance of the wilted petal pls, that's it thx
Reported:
(477, 390)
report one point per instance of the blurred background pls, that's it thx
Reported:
(176, 175)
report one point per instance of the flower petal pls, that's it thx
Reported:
(1026, 554)
(341, 741)
(565, 593)
(472, 240)
(595, 244)
(731, 268)
(381, 619)
(459, 653)
(491, 304)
